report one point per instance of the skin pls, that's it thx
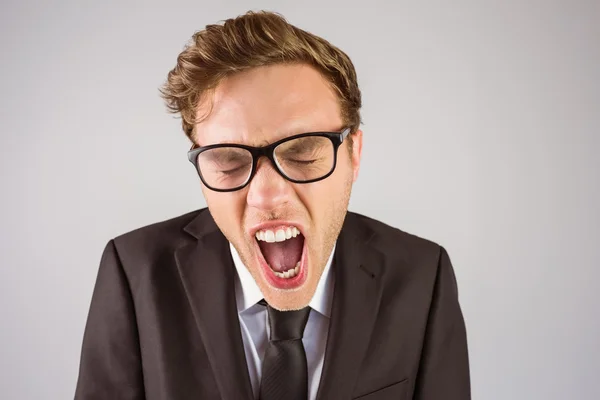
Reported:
(258, 107)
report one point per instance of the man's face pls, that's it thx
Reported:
(256, 108)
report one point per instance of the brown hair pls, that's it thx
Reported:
(252, 40)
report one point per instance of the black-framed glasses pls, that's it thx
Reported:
(304, 158)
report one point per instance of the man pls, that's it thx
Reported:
(275, 291)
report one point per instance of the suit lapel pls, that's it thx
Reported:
(207, 273)
(357, 293)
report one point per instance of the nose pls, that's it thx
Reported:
(268, 190)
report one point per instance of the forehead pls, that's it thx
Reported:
(265, 104)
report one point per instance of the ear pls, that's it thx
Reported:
(356, 153)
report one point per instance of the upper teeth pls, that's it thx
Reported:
(279, 235)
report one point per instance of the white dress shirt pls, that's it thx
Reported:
(255, 327)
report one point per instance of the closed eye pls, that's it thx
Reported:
(234, 170)
(303, 162)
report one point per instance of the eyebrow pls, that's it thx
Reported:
(307, 142)
(223, 155)
(264, 143)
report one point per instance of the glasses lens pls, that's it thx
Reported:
(305, 158)
(225, 167)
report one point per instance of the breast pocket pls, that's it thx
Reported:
(395, 391)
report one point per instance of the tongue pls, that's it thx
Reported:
(282, 256)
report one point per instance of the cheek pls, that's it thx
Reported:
(227, 210)
(323, 199)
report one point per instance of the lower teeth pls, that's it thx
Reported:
(290, 273)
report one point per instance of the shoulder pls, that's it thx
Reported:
(412, 264)
(391, 241)
(406, 257)
(151, 241)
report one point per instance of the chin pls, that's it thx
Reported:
(287, 300)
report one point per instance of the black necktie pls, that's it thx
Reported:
(284, 372)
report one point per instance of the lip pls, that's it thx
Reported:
(274, 280)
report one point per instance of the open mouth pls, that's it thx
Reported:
(282, 251)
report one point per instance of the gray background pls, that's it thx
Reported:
(481, 132)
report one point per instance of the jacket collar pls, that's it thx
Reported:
(359, 270)
(208, 274)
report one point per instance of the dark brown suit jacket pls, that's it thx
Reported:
(163, 321)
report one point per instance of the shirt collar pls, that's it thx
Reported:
(247, 292)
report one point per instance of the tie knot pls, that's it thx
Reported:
(287, 325)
